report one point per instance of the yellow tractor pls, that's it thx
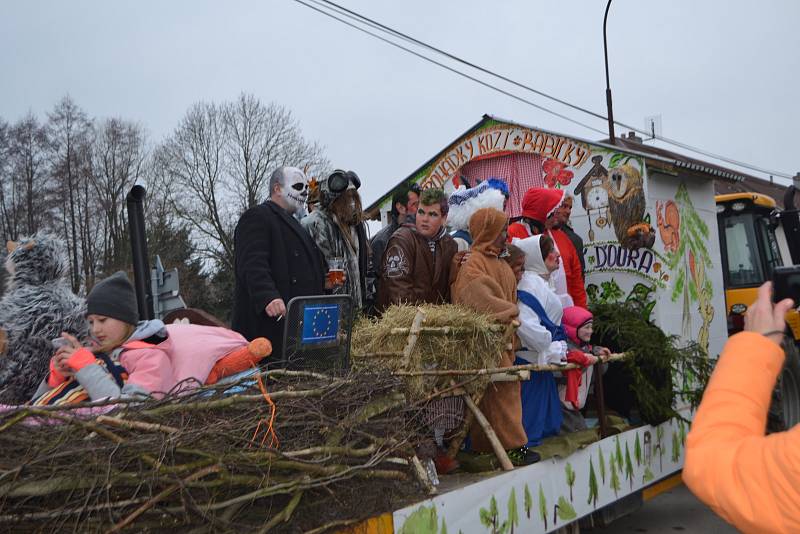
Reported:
(755, 238)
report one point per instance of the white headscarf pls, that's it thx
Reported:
(533, 255)
(534, 262)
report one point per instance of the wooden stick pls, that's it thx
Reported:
(511, 377)
(328, 526)
(413, 335)
(502, 370)
(499, 451)
(284, 515)
(422, 475)
(333, 451)
(599, 397)
(232, 400)
(469, 417)
(135, 425)
(70, 511)
(387, 354)
(160, 496)
(446, 330)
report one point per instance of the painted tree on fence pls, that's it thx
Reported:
(542, 506)
(614, 483)
(676, 447)
(513, 514)
(628, 465)
(563, 511)
(592, 485)
(570, 473)
(637, 450)
(490, 518)
(528, 501)
(601, 464)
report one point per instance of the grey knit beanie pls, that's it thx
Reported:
(113, 297)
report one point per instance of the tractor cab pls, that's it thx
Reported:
(755, 237)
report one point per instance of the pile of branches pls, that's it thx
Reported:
(291, 451)
(658, 373)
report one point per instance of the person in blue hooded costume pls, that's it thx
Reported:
(543, 339)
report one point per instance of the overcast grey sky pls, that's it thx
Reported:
(722, 74)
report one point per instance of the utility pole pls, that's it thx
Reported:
(611, 136)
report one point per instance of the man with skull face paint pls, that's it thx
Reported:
(274, 260)
(339, 231)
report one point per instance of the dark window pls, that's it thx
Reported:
(741, 251)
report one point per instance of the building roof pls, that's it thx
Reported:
(725, 180)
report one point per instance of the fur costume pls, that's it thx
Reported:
(464, 202)
(36, 307)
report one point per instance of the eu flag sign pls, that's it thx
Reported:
(320, 323)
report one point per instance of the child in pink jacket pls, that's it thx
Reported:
(573, 387)
(129, 358)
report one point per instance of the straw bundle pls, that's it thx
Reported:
(450, 337)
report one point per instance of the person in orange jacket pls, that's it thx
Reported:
(540, 215)
(748, 478)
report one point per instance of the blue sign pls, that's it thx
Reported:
(320, 323)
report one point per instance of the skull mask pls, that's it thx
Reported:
(294, 187)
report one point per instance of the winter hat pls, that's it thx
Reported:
(113, 297)
(573, 319)
(484, 227)
(539, 202)
(532, 248)
(464, 202)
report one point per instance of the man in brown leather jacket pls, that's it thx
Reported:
(415, 268)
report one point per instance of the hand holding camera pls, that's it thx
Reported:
(767, 318)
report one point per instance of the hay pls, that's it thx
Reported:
(343, 451)
(452, 337)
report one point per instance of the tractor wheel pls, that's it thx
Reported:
(784, 411)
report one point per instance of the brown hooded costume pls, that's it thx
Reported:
(487, 284)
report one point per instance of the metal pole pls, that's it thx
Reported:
(141, 271)
(611, 136)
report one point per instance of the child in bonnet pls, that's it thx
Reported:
(574, 386)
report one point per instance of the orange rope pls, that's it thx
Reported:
(274, 443)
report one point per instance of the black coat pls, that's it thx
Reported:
(274, 258)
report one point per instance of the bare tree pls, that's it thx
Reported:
(220, 159)
(118, 158)
(69, 130)
(28, 145)
(194, 159)
(8, 204)
(261, 138)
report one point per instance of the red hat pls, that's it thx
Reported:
(540, 202)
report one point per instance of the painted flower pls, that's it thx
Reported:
(555, 172)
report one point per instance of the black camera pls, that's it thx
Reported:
(786, 284)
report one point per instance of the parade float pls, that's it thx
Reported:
(309, 450)
(648, 221)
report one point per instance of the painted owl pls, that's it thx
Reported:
(626, 206)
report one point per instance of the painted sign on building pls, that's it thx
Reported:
(646, 238)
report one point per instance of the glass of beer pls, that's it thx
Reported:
(336, 272)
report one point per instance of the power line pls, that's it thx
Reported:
(353, 15)
(451, 69)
